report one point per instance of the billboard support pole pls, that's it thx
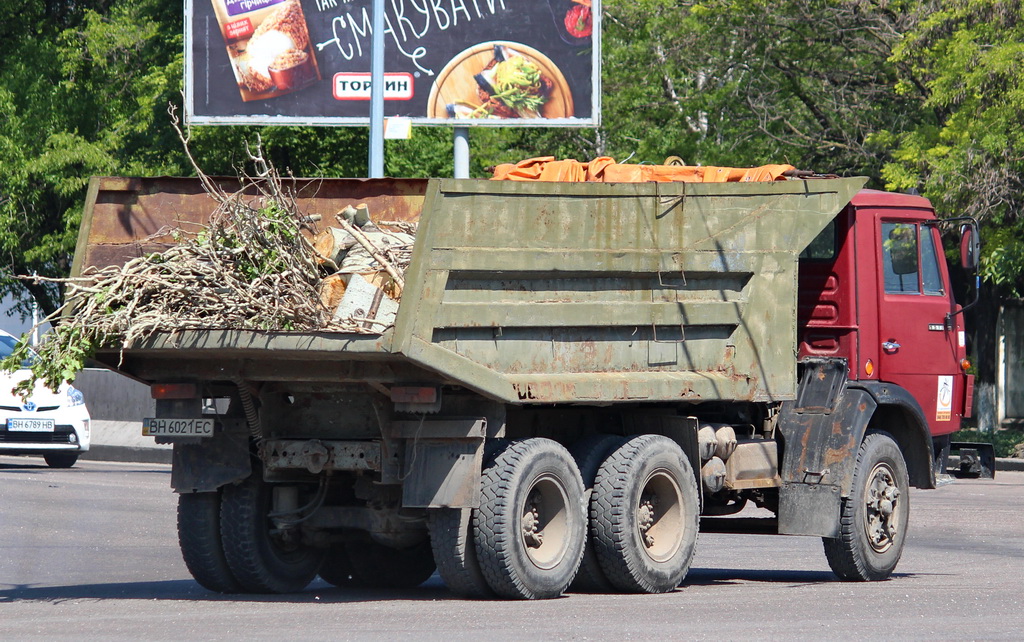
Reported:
(376, 160)
(460, 144)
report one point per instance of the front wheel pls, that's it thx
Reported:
(874, 517)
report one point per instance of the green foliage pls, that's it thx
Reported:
(59, 360)
(81, 87)
(924, 93)
(966, 60)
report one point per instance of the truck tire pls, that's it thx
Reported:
(451, 538)
(199, 540)
(60, 460)
(644, 515)
(260, 561)
(336, 569)
(530, 529)
(377, 566)
(873, 524)
(589, 453)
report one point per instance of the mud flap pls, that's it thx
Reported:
(442, 461)
(977, 460)
(822, 431)
(809, 509)
(212, 462)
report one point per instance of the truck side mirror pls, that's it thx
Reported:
(970, 247)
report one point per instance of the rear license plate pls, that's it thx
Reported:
(30, 425)
(163, 427)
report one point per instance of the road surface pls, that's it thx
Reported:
(92, 553)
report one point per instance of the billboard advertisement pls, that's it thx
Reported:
(447, 62)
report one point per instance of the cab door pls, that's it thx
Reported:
(918, 351)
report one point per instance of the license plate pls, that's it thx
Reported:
(30, 425)
(163, 427)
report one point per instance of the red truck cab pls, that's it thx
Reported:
(875, 290)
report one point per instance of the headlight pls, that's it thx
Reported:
(75, 397)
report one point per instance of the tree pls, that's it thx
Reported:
(79, 93)
(967, 155)
(84, 90)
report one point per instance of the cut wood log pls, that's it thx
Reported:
(373, 251)
(331, 244)
(332, 290)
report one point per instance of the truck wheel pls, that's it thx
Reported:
(530, 529)
(377, 566)
(589, 453)
(644, 515)
(873, 524)
(199, 540)
(451, 538)
(336, 569)
(259, 556)
(60, 460)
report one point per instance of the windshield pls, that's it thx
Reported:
(7, 347)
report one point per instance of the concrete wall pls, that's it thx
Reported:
(112, 397)
(1010, 372)
(117, 405)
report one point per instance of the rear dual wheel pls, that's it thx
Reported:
(199, 540)
(454, 547)
(367, 563)
(530, 529)
(262, 557)
(644, 515)
(589, 453)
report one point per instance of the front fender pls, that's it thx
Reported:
(900, 415)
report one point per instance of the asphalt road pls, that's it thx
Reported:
(91, 553)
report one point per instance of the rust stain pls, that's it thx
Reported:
(544, 391)
(133, 211)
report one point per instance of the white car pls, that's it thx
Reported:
(52, 424)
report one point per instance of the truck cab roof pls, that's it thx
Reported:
(879, 198)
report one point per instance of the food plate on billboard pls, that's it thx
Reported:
(500, 80)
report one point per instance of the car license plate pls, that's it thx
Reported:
(164, 427)
(30, 425)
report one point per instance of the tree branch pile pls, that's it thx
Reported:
(251, 267)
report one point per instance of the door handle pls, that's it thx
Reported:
(890, 346)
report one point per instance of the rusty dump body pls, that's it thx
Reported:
(527, 293)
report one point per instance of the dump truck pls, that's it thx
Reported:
(580, 377)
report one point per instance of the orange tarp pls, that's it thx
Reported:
(606, 170)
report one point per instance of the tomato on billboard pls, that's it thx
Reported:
(471, 62)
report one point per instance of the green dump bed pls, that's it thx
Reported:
(525, 292)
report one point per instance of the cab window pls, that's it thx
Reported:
(823, 247)
(930, 263)
(900, 258)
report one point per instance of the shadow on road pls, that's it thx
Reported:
(722, 576)
(188, 590)
(323, 593)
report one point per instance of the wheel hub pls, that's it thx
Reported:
(532, 534)
(645, 518)
(659, 516)
(881, 522)
(544, 523)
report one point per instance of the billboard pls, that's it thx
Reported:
(447, 62)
